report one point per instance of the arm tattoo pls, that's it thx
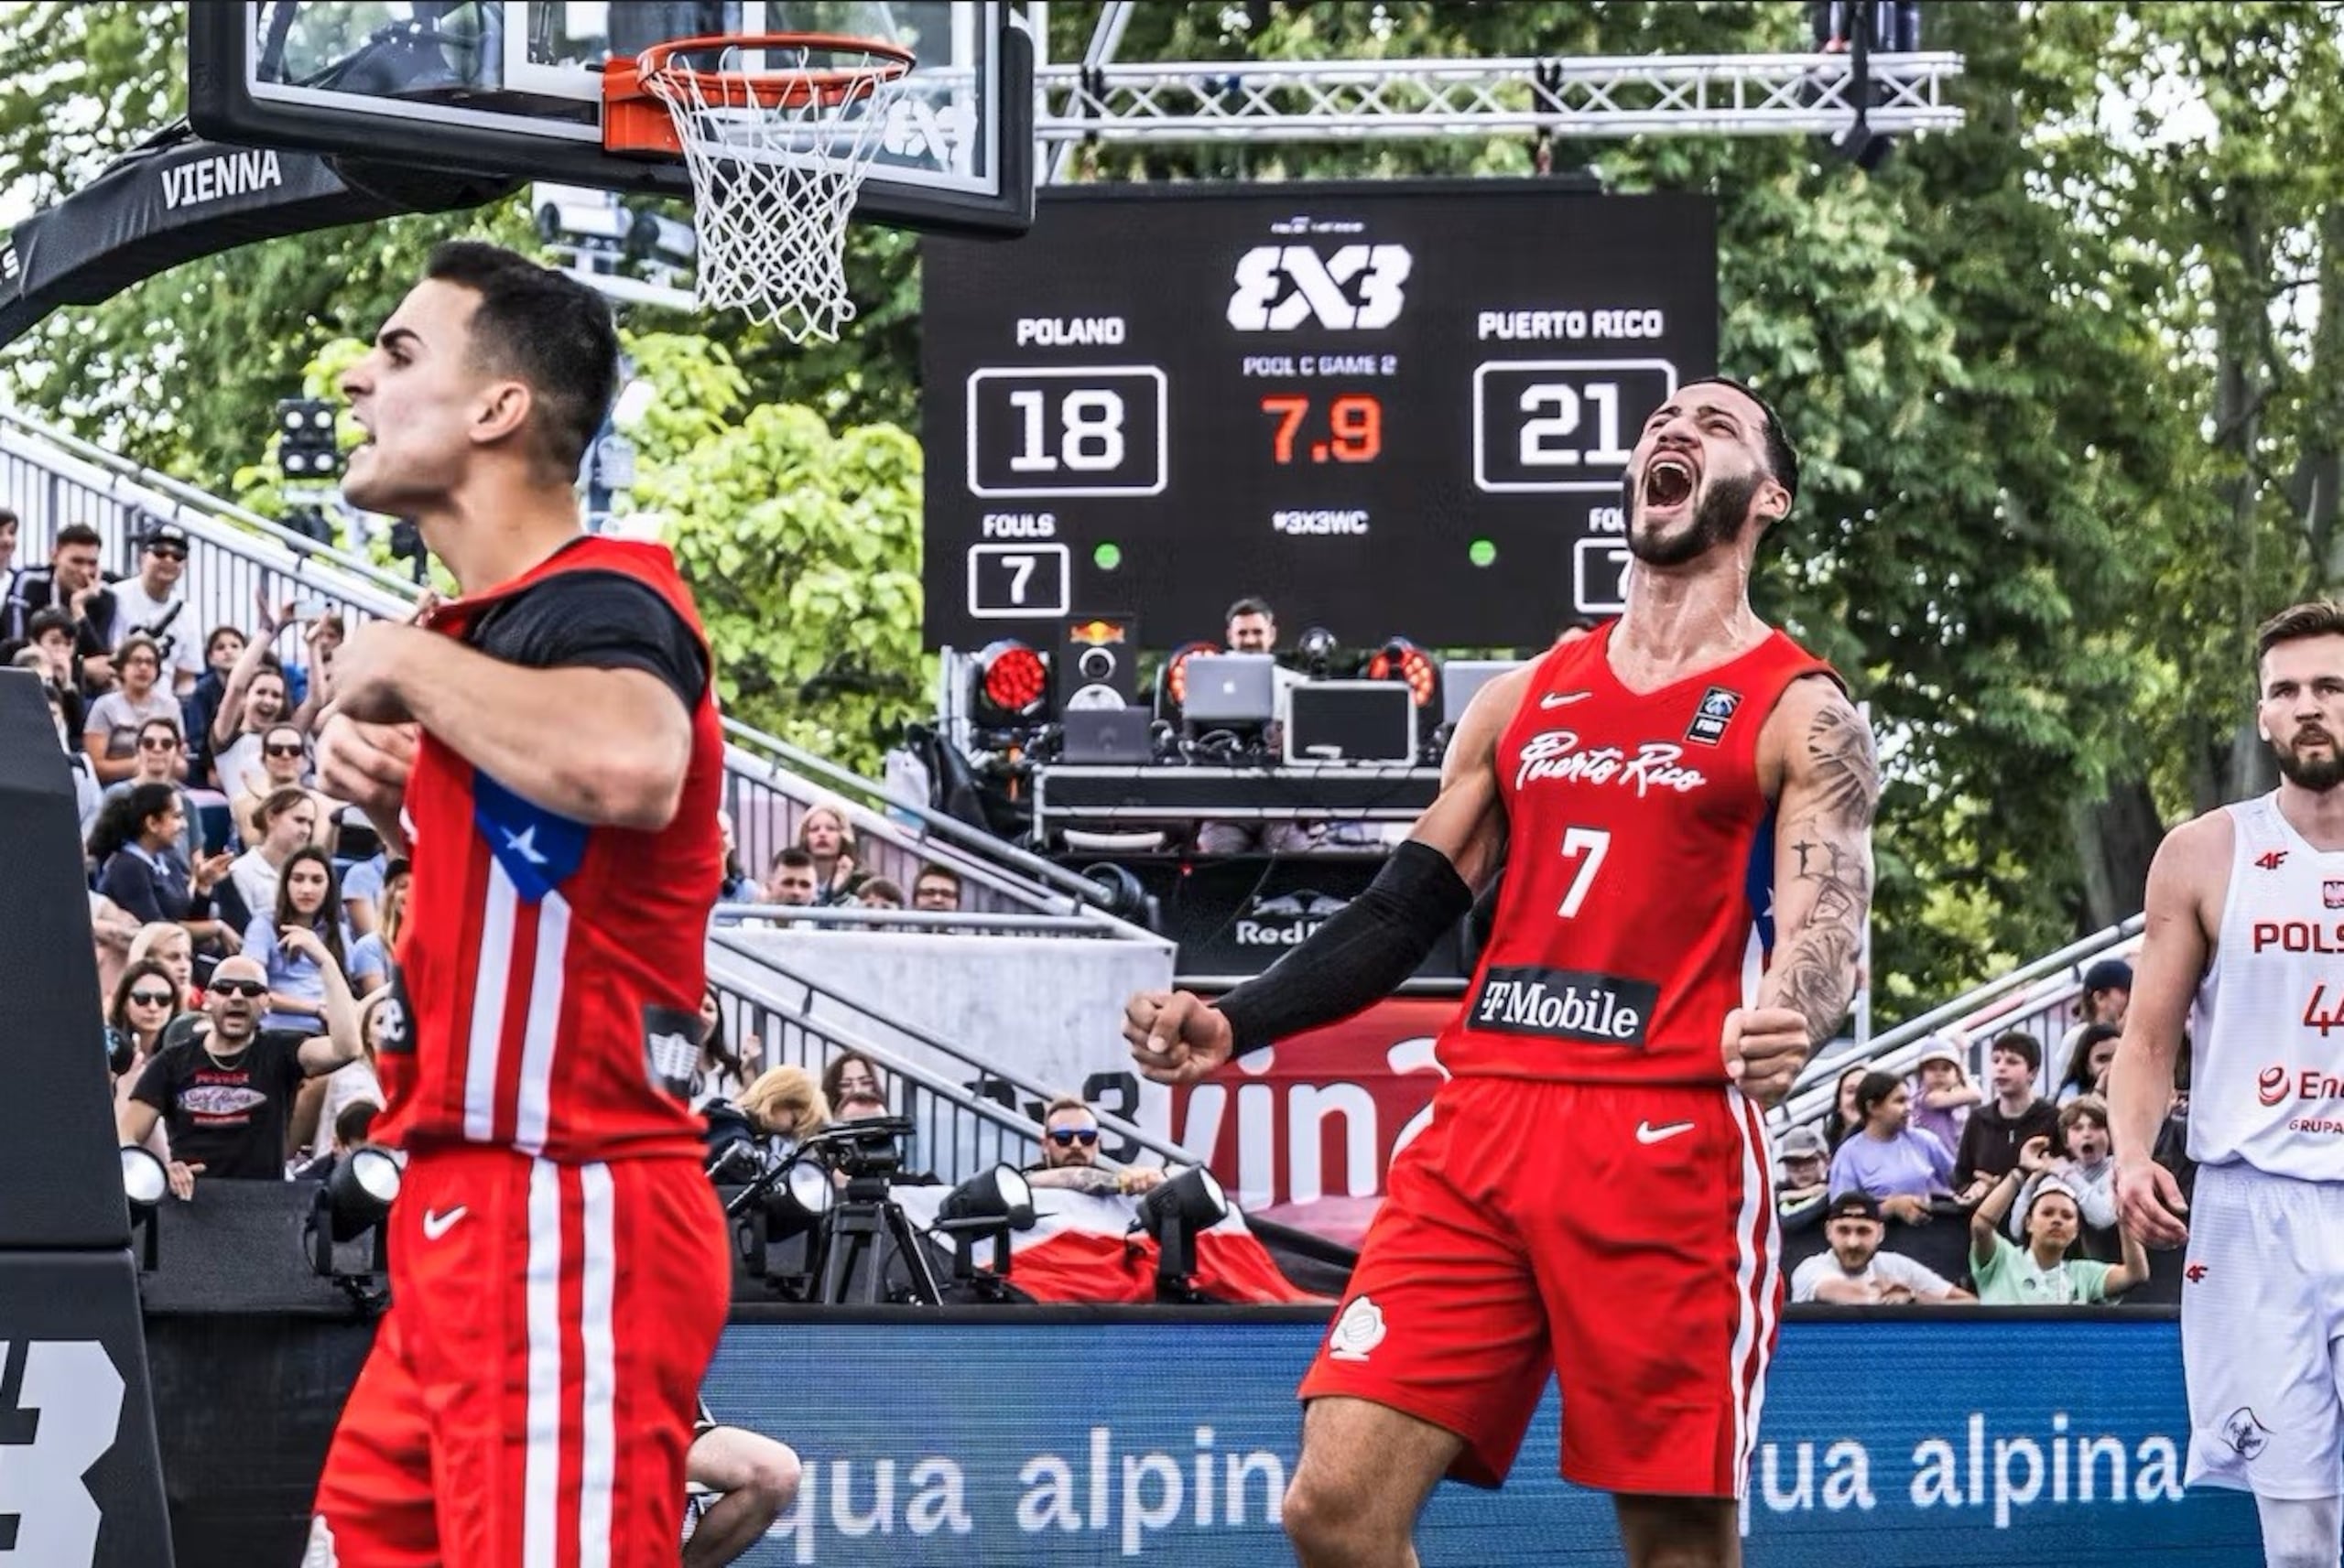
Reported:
(1815, 968)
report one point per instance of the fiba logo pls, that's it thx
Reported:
(2271, 1085)
(1280, 288)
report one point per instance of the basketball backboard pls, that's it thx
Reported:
(513, 88)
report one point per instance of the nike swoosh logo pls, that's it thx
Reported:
(1563, 699)
(1646, 1133)
(436, 1225)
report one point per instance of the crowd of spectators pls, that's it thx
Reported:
(2028, 1176)
(235, 907)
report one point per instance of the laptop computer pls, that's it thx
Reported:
(1230, 688)
(1106, 737)
(1461, 678)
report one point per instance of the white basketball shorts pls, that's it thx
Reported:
(2262, 1333)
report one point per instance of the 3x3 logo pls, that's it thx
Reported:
(1358, 289)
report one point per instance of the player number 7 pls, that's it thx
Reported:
(1587, 846)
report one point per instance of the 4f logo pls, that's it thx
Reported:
(2270, 860)
(1280, 288)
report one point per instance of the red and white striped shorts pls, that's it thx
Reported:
(530, 1395)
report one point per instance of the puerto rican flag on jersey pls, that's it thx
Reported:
(552, 971)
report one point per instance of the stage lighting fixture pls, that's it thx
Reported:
(1316, 649)
(145, 1181)
(306, 447)
(351, 1203)
(1174, 1213)
(1012, 682)
(1401, 660)
(790, 1200)
(992, 1203)
(1172, 680)
(145, 1178)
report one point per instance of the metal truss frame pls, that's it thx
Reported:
(1745, 96)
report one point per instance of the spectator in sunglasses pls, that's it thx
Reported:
(153, 603)
(284, 763)
(1071, 1154)
(110, 730)
(161, 759)
(226, 1096)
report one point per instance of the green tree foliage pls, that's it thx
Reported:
(802, 545)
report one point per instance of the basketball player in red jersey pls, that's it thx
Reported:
(1679, 797)
(546, 747)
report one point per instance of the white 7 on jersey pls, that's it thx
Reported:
(1592, 843)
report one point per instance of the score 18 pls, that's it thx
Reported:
(1071, 430)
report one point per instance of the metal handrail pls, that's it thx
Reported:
(1107, 1120)
(1005, 1117)
(174, 500)
(737, 914)
(959, 834)
(359, 584)
(1004, 867)
(1900, 1048)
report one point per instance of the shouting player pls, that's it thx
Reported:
(547, 747)
(2242, 925)
(1676, 796)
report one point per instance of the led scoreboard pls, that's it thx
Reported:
(1389, 408)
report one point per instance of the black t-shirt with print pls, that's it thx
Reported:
(230, 1118)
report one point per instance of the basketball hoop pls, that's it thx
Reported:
(777, 157)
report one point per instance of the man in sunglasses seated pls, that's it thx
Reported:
(225, 1094)
(1071, 1154)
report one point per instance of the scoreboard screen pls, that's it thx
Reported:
(1400, 408)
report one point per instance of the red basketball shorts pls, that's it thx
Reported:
(531, 1391)
(1622, 1236)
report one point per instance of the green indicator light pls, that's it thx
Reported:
(1480, 552)
(1107, 556)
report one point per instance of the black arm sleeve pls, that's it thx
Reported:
(1355, 960)
(596, 619)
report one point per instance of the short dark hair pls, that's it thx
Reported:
(795, 859)
(947, 872)
(2315, 618)
(1252, 604)
(1875, 1087)
(1782, 457)
(46, 619)
(546, 329)
(2019, 1044)
(354, 1121)
(76, 533)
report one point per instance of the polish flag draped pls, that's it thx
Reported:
(1082, 1249)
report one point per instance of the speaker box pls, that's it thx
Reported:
(1098, 663)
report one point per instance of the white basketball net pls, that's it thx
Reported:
(776, 181)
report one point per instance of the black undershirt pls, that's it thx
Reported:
(594, 619)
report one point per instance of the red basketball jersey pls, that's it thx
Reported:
(1635, 910)
(552, 970)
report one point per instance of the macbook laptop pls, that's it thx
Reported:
(1230, 688)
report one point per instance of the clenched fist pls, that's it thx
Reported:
(1764, 1047)
(1176, 1038)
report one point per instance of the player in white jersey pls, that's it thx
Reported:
(2245, 942)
